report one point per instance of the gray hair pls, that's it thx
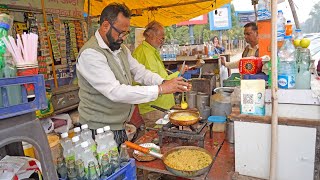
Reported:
(152, 27)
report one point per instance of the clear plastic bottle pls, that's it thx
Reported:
(210, 49)
(303, 73)
(81, 175)
(287, 65)
(264, 10)
(124, 156)
(105, 167)
(101, 141)
(66, 143)
(77, 131)
(77, 149)
(112, 149)
(86, 135)
(62, 168)
(92, 172)
(281, 21)
(87, 156)
(72, 172)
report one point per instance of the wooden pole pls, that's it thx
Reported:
(274, 121)
(294, 14)
(49, 44)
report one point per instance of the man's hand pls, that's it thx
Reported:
(174, 85)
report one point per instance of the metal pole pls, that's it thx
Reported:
(191, 34)
(274, 120)
(294, 14)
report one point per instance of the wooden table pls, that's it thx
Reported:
(222, 151)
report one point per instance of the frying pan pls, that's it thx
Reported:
(176, 113)
(164, 156)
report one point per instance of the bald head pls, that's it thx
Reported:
(154, 34)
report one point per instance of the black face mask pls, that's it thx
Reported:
(113, 44)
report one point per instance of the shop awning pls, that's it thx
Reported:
(167, 12)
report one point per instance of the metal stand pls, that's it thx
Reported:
(27, 128)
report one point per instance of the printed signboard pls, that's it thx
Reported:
(203, 19)
(220, 19)
(245, 17)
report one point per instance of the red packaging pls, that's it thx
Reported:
(250, 65)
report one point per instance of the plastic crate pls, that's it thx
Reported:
(127, 172)
(39, 102)
(232, 81)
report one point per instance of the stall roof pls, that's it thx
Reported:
(167, 12)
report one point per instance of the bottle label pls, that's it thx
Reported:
(100, 154)
(286, 81)
(93, 148)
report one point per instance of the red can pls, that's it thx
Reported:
(250, 65)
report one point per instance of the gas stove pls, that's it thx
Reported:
(186, 134)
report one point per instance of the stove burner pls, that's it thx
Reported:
(195, 132)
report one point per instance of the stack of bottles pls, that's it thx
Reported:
(169, 52)
(293, 61)
(88, 159)
(264, 10)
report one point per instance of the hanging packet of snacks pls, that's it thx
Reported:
(54, 44)
(73, 39)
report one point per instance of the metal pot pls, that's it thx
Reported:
(176, 113)
(177, 172)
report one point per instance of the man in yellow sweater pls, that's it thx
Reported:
(147, 53)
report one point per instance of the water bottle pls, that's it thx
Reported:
(81, 175)
(67, 146)
(287, 65)
(264, 10)
(86, 135)
(92, 172)
(106, 169)
(62, 168)
(112, 149)
(101, 141)
(87, 157)
(77, 131)
(72, 172)
(210, 49)
(280, 26)
(289, 28)
(124, 156)
(77, 147)
(303, 73)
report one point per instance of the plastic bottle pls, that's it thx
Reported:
(81, 175)
(87, 156)
(112, 149)
(287, 65)
(92, 172)
(102, 147)
(77, 131)
(289, 28)
(62, 168)
(124, 156)
(77, 149)
(280, 26)
(86, 135)
(263, 10)
(72, 172)
(68, 152)
(210, 49)
(106, 169)
(303, 73)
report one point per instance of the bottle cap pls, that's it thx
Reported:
(64, 135)
(84, 126)
(76, 129)
(298, 30)
(99, 130)
(280, 11)
(289, 21)
(106, 128)
(75, 139)
(287, 37)
(84, 144)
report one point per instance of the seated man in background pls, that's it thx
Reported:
(147, 53)
(252, 49)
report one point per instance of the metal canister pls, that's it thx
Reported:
(230, 132)
(202, 100)
(192, 99)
